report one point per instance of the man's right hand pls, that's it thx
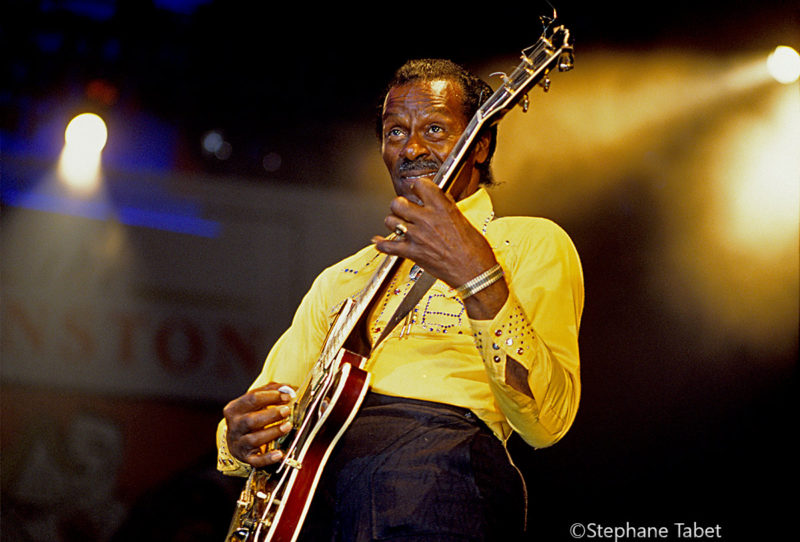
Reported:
(254, 420)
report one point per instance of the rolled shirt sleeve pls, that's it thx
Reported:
(536, 328)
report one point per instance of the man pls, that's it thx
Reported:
(472, 362)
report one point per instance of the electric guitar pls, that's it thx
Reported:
(276, 499)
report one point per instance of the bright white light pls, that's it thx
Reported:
(87, 131)
(760, 178)
(85, 138)
(784, 64)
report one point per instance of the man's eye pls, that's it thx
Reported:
(436, 129)
(394, 132)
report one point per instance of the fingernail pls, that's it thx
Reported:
(283, 411)
(285, 427)
(275, 456)
(287, 391)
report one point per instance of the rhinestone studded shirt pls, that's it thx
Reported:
(438, 354)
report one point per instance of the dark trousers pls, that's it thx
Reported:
(416, 471)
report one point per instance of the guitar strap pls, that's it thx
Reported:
(423, 283)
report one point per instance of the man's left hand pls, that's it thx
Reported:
(440, 239)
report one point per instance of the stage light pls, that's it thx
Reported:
(784, 64)
(84, 139)
(214, 143)
(758, 169)
(271, 162)
(87, 131)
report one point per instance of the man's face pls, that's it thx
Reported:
(422, 121)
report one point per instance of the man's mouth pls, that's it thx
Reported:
(413, 176)
(410, 170)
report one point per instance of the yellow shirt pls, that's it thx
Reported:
(439, 354)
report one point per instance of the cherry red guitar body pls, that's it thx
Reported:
(274, 503)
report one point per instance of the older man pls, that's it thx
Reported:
(491, 347)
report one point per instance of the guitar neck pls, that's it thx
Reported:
(349, 329)
(451, 167)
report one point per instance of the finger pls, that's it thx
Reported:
(270, 386)
(253, 400)
(255, 421)
(260, 460)
(406, 210)
(398, 226)
(393, 246)
(257, 439)
(427, 191)
(253, 449)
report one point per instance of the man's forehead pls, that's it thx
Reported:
(438, 93)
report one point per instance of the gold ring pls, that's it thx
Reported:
(400, 229)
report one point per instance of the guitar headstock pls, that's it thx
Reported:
(554, 50)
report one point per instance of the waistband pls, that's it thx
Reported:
(374, 400)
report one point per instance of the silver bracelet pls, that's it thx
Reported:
(487, 278)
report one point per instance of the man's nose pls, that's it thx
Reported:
(414, 148)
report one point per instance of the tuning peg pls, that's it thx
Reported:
(524, 103)
(566, 61)
(545, 84)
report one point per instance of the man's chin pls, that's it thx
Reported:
(403, 188)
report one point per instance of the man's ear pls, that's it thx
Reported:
(482, 148)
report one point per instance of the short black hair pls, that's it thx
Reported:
(476, 91)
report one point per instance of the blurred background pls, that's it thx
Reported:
(148, 261)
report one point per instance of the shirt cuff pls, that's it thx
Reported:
(508, 334)
(226, 463)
